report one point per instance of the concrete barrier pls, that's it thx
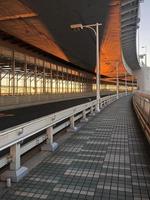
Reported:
(11, 102)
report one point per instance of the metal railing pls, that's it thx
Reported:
(14, 137)
(141, 102)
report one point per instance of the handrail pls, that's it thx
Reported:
(10, 138)
(141, 103)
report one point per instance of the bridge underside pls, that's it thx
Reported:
(46, 27)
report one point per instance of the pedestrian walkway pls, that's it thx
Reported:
(107, 159)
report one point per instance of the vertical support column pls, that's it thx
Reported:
(92, 111)
(97, 69)
(72, 127)
(25, 76)
(84, 114)
(49, 132)
(90, 83)
(35, 79)
(57, 85)
(16, 172)
(137, 84)
(82, 83)
(30, 84)
(117, 78)
(84, 119)
(50, 144)
(44, 82)
(9, 92)
(71, 82)
(126, 91)
(76, 81)
(17, 82)
(51, 77)
(72, 124)
(62, 78)
(79, 82)
(86, 83)
(67, 79)
(132, 83)
(13, 72)
(15, 154)
(0, 81)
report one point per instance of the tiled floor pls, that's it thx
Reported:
(107, 159)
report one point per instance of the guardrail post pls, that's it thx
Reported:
(101, 104)
(72, 127)
(92, 111)
(72, 122)
(105, 102)
(50, 144)
(15, 155)
(16, 172)
(49, 132)
(84, 119)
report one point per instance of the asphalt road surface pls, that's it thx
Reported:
(13, 117)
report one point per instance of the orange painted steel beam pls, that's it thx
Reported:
(21, 21)
(12, 17)
(111, 45)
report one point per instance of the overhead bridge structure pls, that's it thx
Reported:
(74, 108)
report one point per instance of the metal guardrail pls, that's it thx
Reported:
(13, 137)
(141, 104)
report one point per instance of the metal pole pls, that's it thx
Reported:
(0, 81)
(62, 80)
(35, 78)
(13, 71)
(30, 84)
(145, 59)
(71, 82)
(97, 70)
(17, 82)
(51, 77)
(132, 84)
(117, 78)
(139, 44)
(126, 83)
(44, 83)
(9, 83)
(25, 76)
(57, 84)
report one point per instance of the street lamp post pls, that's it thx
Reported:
(145, 47)
(117, 79)
(95, 28)
(126, 90)
(132, 83)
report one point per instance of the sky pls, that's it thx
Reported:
(144, 30)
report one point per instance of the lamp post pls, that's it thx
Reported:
(126, 90)
(117, 79)
(145, 47)
(132, 83)
(95, 28)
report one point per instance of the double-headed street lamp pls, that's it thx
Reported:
(95, 28)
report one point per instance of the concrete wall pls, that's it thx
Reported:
(143, 78)
(11, 102)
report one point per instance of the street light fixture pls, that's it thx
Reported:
(95, 28)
